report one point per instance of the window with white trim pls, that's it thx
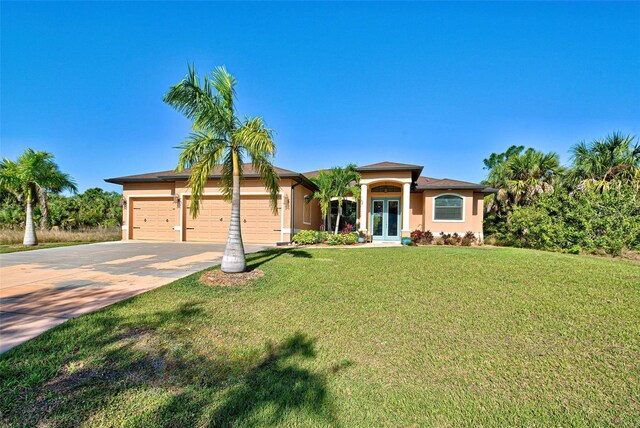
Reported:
(448, 208)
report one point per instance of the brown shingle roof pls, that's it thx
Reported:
(423, 183)
(386, 165)
(393, 166)
(171, 175)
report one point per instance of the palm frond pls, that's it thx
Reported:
(201, 152)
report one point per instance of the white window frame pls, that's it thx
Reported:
(433, 208)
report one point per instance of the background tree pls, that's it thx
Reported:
(614, 159)
(345, 182)
(30, 178)
(324, 194)
(220, 138)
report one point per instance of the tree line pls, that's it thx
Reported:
(591, 205)
(30, 198)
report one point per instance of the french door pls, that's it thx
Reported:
(385, 219)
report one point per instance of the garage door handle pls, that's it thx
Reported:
(220, 218)
(167, 220)
(244, 221)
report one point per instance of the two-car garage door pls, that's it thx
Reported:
(258, 223)
(155, 218)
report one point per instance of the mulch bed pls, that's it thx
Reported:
(217, 278)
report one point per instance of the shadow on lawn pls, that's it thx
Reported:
(265, 256)
(125, 359)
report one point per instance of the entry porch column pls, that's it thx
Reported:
(363, 207)
(406, 197)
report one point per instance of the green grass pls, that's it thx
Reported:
(17, 247)
(427, 336)
(11, 239)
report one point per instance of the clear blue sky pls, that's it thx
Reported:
(439, 84)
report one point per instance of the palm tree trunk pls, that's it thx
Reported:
(29, 231)
(233, 260)
(44, 220)
(338, 218)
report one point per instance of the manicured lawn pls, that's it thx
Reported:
(352, 337)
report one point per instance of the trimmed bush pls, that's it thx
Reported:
(306, 237)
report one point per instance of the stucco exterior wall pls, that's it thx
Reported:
(375, 176)
(416, 211)
(314, 221)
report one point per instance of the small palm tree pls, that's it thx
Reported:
(30, 178)
(345, 182)
(324, 194)
(613, 159)
(220, 138)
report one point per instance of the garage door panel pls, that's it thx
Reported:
(258, 223)
(153, 219)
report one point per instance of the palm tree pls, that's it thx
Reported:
(345, 182)
(220, 138)
(613, 159)
(30, 178)
(519, 177)
(531, 174)
(324, 194)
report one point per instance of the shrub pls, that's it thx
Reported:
(306, 237)
(439, 241)
(343, 239)
(468, 239)
(448, 238)
(428, 237)
(417, 236)
(347, 229)
(323, 236)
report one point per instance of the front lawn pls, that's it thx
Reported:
(444, 336)
(15, 248)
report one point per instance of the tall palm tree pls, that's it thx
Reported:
(345, 182)
(324, 194)
(220, 138)
(30, 178)
(613, 159)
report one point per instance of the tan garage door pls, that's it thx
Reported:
(153, 219)
(259, 224)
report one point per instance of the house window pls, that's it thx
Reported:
(448, 208)
(306, 211)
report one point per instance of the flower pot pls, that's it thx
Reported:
(406, 241)
(360, 239)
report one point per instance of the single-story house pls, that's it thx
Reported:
(395, 199)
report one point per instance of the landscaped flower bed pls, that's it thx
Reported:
(419, 237)
(314, 237)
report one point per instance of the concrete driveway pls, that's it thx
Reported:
(42, 288)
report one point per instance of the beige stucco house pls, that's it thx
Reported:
(395, 199)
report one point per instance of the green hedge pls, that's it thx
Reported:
(310, 237)
(589, 221)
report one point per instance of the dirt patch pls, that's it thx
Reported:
(217, 278)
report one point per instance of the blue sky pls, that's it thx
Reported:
(437, 84)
